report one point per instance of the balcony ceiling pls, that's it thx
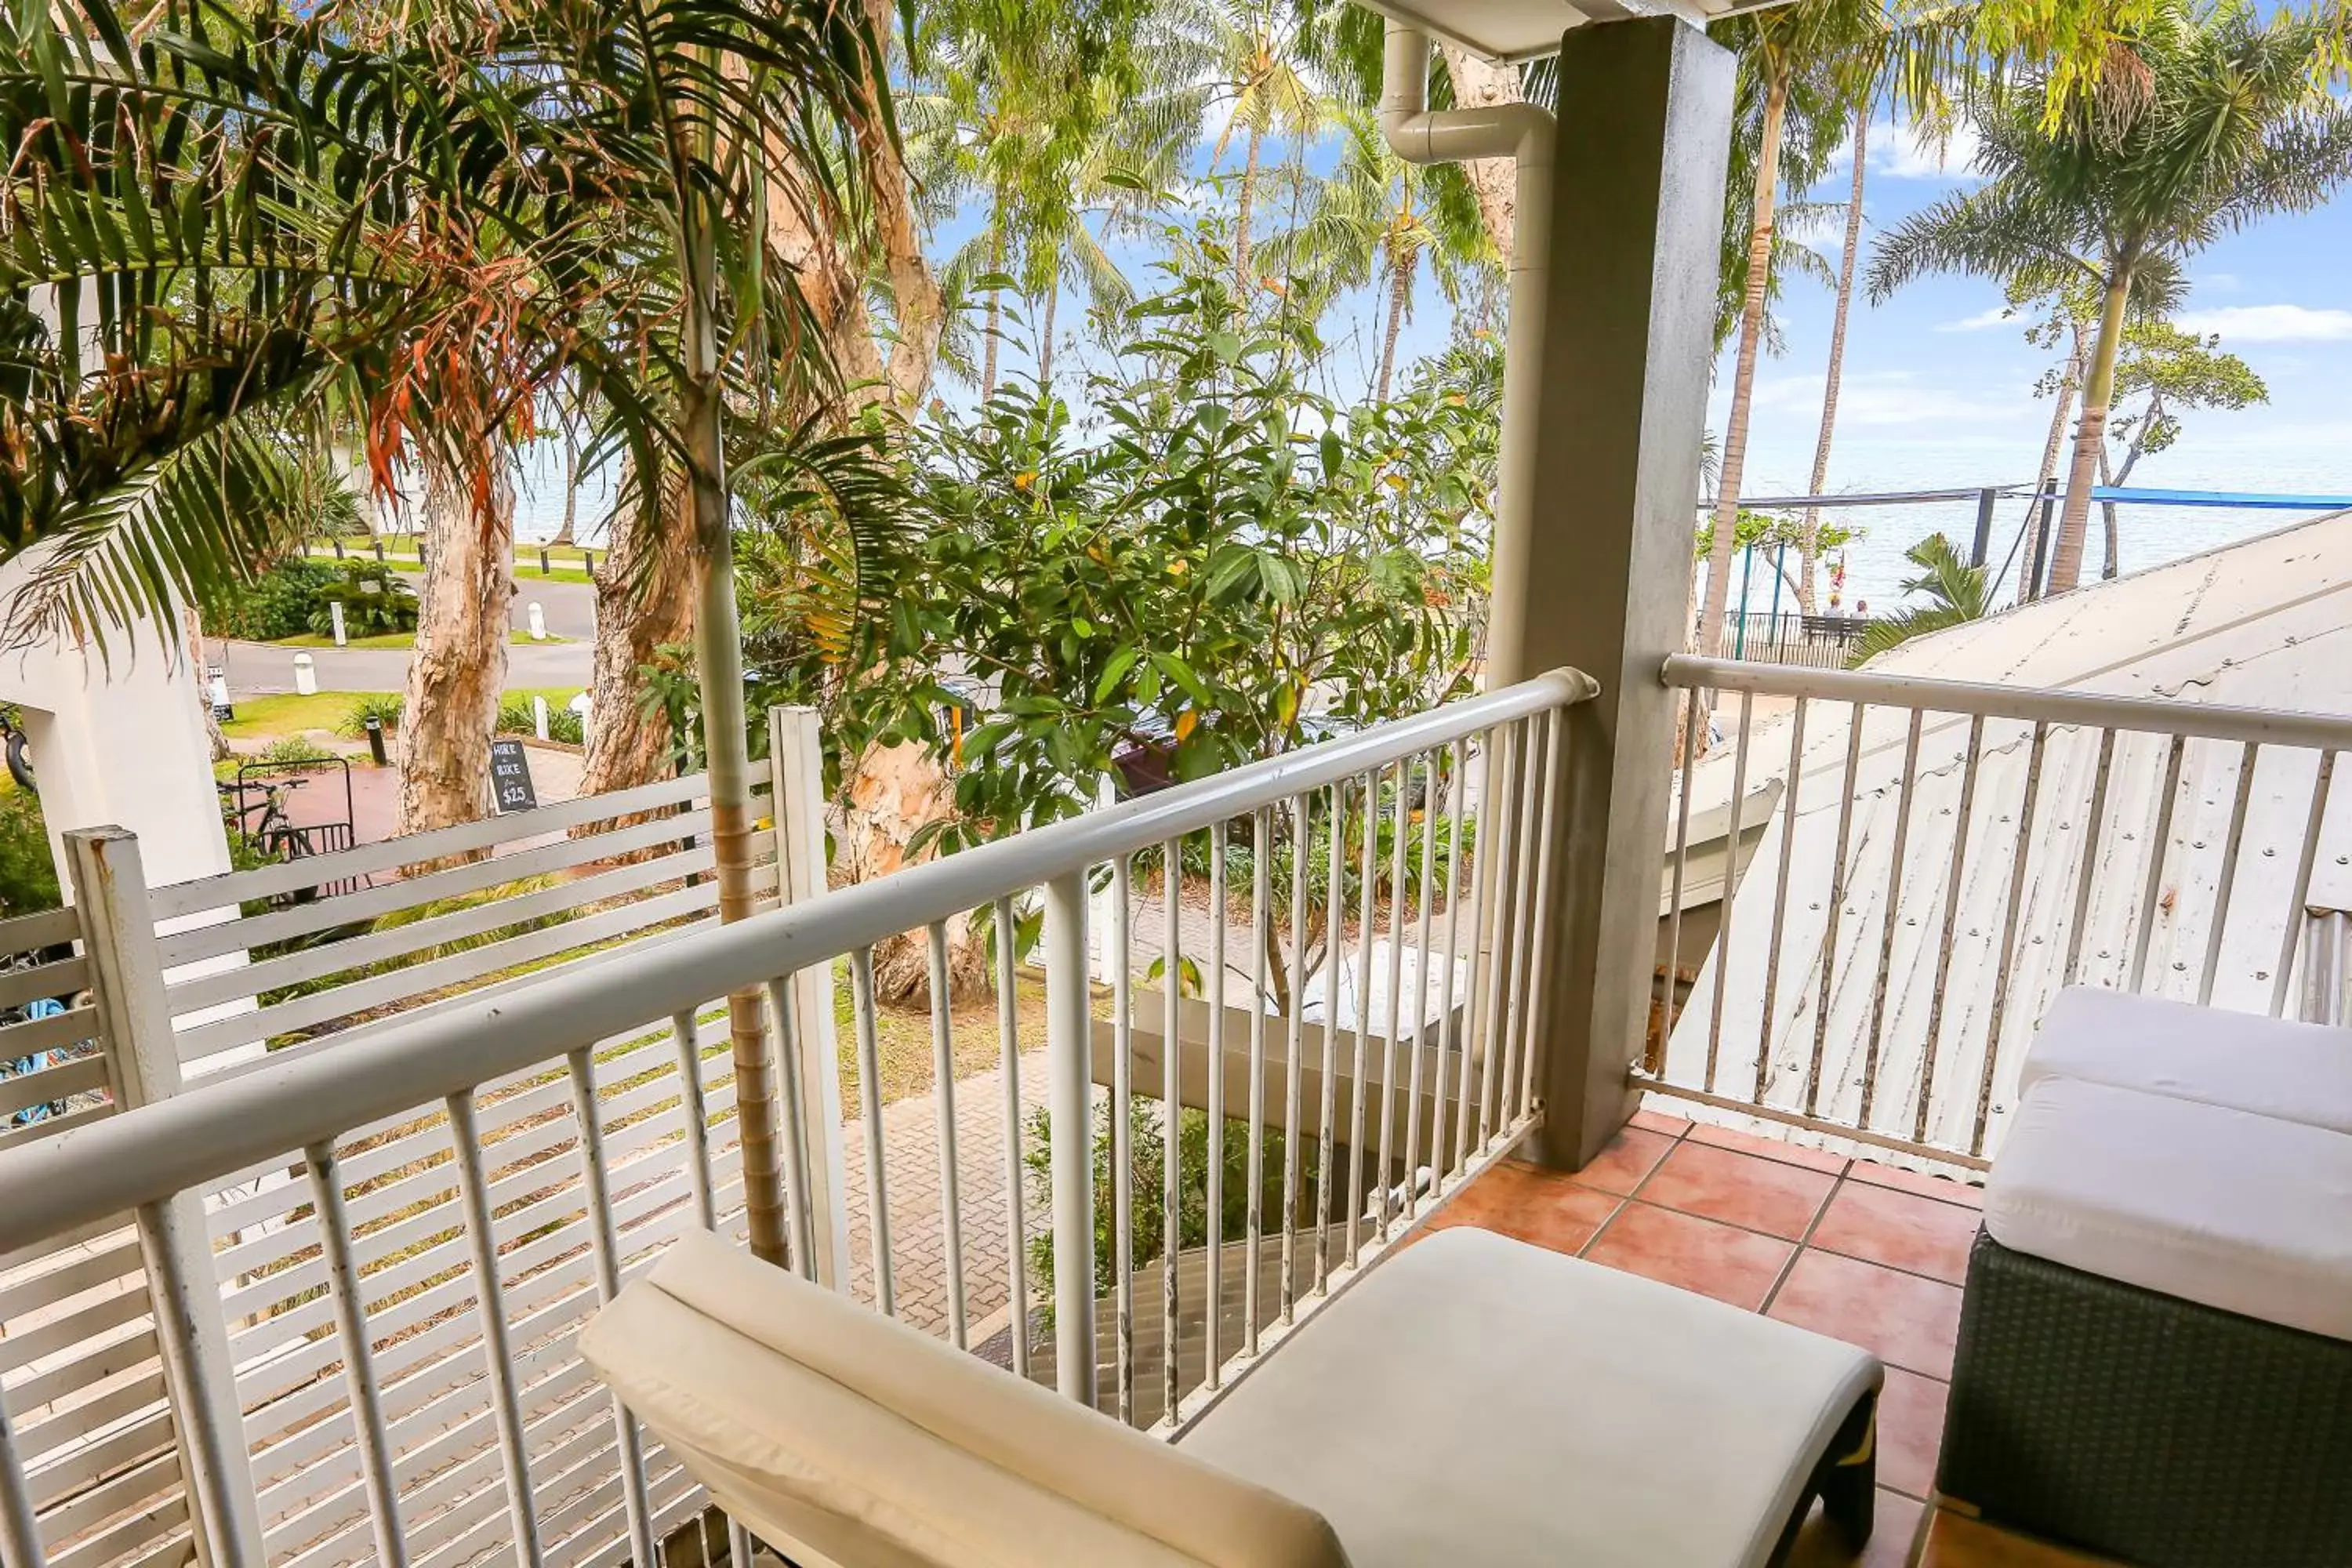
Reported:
(1527, 29)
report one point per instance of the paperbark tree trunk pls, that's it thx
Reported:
(1743, 380)
(2090, 434)
(914, 289)
(1481, 84)
(565, 535)
(450, 708)
(1045, 339)
(635, 617)
(1809, 548)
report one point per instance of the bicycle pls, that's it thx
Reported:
(276, 833)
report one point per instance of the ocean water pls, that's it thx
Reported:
(1875, 567)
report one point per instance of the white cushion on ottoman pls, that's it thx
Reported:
(1478, 1402)
(2298, 1072)
(2245, 1212)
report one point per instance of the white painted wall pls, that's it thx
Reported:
(119, 739)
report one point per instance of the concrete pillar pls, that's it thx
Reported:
(1637, 214)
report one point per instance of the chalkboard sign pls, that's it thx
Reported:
(510, 777)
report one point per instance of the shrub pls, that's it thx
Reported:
(376, 600)
(564, 724)
(381, 705)
(278, 604)
(515, 717)
(296, 749)
(28, 872)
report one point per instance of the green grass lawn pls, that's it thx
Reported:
(401, 556)
(286, 713)
(402, 640)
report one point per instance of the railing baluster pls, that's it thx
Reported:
(1839, 871)
(1452, 1034)
(359, 1356)
(1016, 1236)
(2158, 846)
(1171, 1125)
(604, 1249)
(2320, 790)
(1420, 961)
(950, 1168)
(869, 1107)
(1367, 894)
(1547, 833)
(693, 1113)
(1293, 1070)
(1516, 1044)
(1122, 1135)
(1069, 1093)
(1796, 787)
(1214, 1296)
(792, 1153)
(1730, 891)
(1887, 927)
(2013, 905)
(498, 1351)
(1335, 925)
(1682, 861)
(2088, 862)
(1261, 931)
(1952, 892)
(1399, 824)
(1494, 919)
(2225, 886)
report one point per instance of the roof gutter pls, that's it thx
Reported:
(1523, 133)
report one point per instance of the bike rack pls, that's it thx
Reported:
(293, 841)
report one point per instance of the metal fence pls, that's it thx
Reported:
(367, 1257)
(1948, 856)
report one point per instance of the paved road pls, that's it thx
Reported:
(571, 613)
(256, 668)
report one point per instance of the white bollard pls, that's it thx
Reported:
(539, 716)
(579, 705)
(335, 613)
(537, 623)
(306, 675)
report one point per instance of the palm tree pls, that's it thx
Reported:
(1808, 547)
(1371, 220)
(1956, 593)
(1259, 74)
(221, 190)
(1803, 67)
(2210, 117)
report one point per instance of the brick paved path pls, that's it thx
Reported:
(911, 1178)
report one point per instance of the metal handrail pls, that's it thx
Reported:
(217, 1129)
(1964, 698)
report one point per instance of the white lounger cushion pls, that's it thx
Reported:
(853, 1439)
(2246, 1213)
(2272, 1067)
(1476, 1401)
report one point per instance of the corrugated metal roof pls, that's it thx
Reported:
(2266, 623)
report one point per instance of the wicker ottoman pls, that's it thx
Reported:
(2155, 1358)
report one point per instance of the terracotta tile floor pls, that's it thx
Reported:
(1864, 1252)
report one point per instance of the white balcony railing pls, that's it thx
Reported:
(1938, 858)
(351, 1273)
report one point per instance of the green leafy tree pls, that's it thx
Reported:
(1956, 593)
(2210, 118)
(2161, 374)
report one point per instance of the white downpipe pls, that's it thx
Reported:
(1523, 133)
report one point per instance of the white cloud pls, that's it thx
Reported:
(1883, 399)
(1911, 152)
(2270, 323)
(1998, 316)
